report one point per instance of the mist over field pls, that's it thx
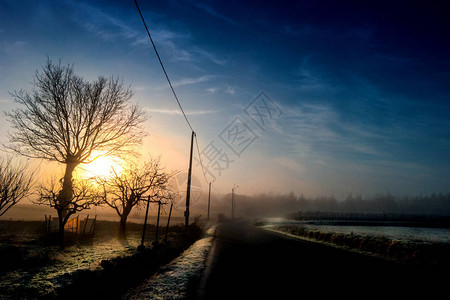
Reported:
(271, 205)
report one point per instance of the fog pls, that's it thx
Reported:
(260, 205)
(281, 204)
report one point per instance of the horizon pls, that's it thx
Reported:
(257, 206)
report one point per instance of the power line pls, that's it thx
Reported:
(173, 91)
(162, 66)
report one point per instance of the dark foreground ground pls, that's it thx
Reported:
(251, 263)
(105, 266)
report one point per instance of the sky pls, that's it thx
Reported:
(313, 97)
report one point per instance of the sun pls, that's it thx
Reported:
(101, 167)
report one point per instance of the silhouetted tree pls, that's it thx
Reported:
(84, 195)
(15, 184)
(67, 119)
(134, 185)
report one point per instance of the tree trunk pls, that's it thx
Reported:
(64, 198)
(61, 229)
(66, 193)
(123, 222)
(123, 218)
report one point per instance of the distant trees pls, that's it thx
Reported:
(124, 191)
(15, 184)
(433, 204)
(66, 119)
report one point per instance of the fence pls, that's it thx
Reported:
(72, 225)
(371, 217)
(84, 227)
(88, 226)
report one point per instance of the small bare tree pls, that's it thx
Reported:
(15, 184)
(84, 195)
(134, 185)
(66, 119)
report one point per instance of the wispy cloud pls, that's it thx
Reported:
(318, 131)
(176, 44)
(363, 33)
(187, 81)
(212, 90)
(202, 54)
(162, 35)
(100, 23)
(178, 112)
(13, 47)
(169, 42)
(213, 12)
(308, 78)
(231, 90)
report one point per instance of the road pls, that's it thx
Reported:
(252, 263)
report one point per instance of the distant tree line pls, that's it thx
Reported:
(272, 204)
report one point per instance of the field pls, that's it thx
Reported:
(417, 252)
(32, 265)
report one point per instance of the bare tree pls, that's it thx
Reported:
(15, 184)
(67, 119)
(84, 195)
(134, 185)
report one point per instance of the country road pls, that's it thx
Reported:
(252, 263)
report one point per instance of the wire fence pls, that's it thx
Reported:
(84, 227)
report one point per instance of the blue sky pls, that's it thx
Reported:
(362, 87)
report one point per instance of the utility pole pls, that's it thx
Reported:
(168, 222)
(209, 199)
(233, 205)
(157, 222)
(188, 192)
(141, 247)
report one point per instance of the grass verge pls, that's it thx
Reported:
(424, 253)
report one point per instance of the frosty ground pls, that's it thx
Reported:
(30, 267)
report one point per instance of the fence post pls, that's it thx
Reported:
(168, 221)
(85, 224)
(141, 246)
(157, 222)
(91, 231)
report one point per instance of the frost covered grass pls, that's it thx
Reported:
(426, 253)
(31, 266)
(177, 279)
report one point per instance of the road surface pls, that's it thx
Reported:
(252, 263)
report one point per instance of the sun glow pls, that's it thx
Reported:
(102, 167)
